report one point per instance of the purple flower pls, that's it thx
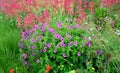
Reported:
(28, 47)
(69, 36)
(37, 61)
(69, 27)
(37, 39)
(48, 45)
(36, 26)
(44, 50)
(95, 37)
(24, 55)
(51, 30)
(32, 40)
(57, 36)
(41, 29)
(33, 47)
(75, 43)
(40, 36)
(70, 43)
(64, 55)
(88, 44)
(77, 25)
(44, 25)
(99, 52)
(21, 45)
(57, 45)
(59, 24)
(26, 34)
(63, 45)
(62, 39)
(78, 54)
(55, 51)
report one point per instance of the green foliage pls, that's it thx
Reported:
(9, 54)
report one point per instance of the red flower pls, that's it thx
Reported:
(11, 70)
(48, 68)
(91, 4)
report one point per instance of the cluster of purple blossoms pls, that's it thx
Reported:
(48, 45)
(62, 44)
(26, 34)
(57, 36)
(43, 27)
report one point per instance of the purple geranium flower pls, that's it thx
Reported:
(59, 24)
(88, 44)
(99, 52)
(51, 30)
(40, 36)
(44, 25)
(55, 51)
(70, 43)
(48, 45)
(64, 55)
(62, 39)
(44, 50)
(63, 45)
(78, 54)
(37, 39)
(36, 27)
(37, 61)
(75, 43)
(24, 55)
(33, 47)
(57, 36)
(57, 45)
(26, 34)
(41, 29)
(32, 40)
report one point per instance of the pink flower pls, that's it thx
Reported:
(89, 44)
(59, 24)
(24, 55)
(29, 18)
(46, 14)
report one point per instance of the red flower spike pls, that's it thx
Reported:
(11, 70)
